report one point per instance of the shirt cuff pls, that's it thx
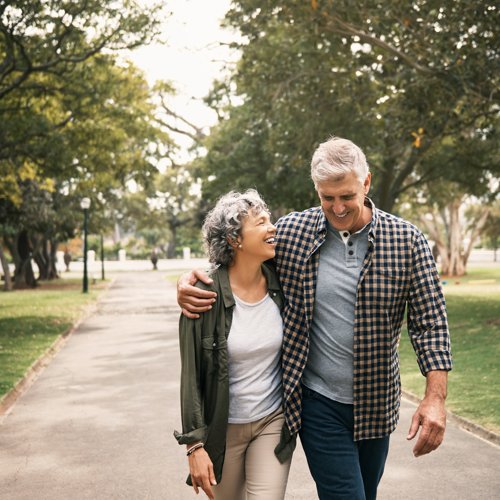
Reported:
(195, 435)
(434, 360)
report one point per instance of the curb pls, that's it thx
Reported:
(8, 400)
(476, 429)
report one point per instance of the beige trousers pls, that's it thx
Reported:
(251, 470)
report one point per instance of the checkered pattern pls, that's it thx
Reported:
(398, 271)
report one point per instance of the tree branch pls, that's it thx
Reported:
(345, 28)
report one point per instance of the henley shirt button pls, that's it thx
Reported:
(350, 243)
(346, 235)
(351, 252)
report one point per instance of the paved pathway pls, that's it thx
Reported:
(97, 423)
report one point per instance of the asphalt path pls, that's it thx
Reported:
(98, 421)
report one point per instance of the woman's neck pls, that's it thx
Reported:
(247, 280)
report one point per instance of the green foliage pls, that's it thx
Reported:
(491, 233)
(401, 80)
(74, 120)
(473, 315)
(48, 68)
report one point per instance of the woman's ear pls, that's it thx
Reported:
(234, 242)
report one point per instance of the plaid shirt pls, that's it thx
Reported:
(398, 270)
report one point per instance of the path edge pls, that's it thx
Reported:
(8, 400)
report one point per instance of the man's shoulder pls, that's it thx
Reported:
(392, 222)
(298, 219)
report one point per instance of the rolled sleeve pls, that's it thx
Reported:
(427, 317)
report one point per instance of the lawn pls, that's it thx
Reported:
(30, 321)
(473, 304)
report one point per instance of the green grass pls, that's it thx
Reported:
(30, 321)
(474, 318)
(173, 278)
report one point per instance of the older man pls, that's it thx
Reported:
(348, 271)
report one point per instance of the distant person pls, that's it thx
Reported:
(154, 259)
(238, 444)
(67, 259)
(349, 271)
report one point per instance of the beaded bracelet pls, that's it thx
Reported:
(193, 448)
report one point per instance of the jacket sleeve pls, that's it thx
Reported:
(427, 318)
(194, 427)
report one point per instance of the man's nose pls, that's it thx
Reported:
(338, 207)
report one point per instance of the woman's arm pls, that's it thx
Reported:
(194, 428)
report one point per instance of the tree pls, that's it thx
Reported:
(454, 210)
(491, 231)
(397, 78)
(455, 239)
(53, 38)
(43, 47)
(177, 202)
(110, 141)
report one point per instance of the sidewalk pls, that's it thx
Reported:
(98, 422)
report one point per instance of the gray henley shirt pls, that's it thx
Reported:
(329, 368)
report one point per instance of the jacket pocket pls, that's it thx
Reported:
(214, 352)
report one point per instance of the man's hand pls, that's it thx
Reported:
(202, 472)
(430, 415)
(193, 300)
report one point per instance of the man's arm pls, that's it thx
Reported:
(191, 299)
(430, 415)
(428, 330)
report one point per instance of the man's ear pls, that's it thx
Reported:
(367, 183)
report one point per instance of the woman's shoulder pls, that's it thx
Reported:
(215, 275)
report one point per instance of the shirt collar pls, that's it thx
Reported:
(322, 223)
(375, 216)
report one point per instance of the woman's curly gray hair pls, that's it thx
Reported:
(223, 223)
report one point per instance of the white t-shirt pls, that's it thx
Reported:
(254, 348)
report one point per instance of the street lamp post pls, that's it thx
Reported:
(102, 258)
(85, 204)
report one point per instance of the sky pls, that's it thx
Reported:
(192, 57)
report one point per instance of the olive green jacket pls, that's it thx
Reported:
(204, 372)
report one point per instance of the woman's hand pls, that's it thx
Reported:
(202, 472)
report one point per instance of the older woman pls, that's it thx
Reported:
(237, 442)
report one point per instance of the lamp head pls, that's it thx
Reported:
(85, 203)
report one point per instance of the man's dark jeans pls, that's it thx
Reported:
(341, 467)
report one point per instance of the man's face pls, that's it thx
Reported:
(342, 202)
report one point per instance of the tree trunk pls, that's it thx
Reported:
(7, 280)
(24, 276)
(45, 258)
(457, 267)
(432, 228)
(42, 264)
(172, 243)
(476, 231)
(52, 257)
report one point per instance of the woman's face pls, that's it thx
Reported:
(257, 238)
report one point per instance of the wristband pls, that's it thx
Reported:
(193, 448)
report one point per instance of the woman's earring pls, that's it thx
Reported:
(239, 245)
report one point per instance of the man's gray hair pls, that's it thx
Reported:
(224, 222)
(335, 158)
